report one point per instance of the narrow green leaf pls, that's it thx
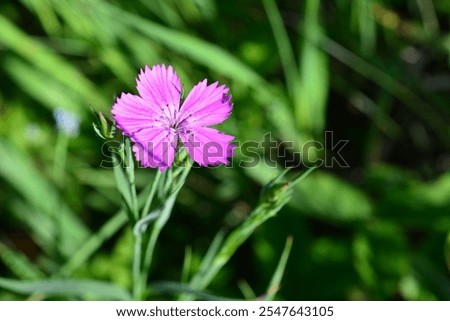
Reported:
(162, 219)
(429, 17)
(196, 49)
(44, 89)
(362, 258)
(187, 265)
(19, 264)
(209, 256)
(363, 15)
(246, 290)
(275, 196)
(40, 226)
(45, 13)
(311, 101)
(284, 46)
(122, 183)
(42, 57)
(177, 288)
(274, 285)
(18, 170)
(67, 288)
(389, 83)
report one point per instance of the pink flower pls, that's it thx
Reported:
(157, 120)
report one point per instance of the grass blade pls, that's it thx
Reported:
(196, 49)
(187, 264)
(17, 169)
(40, 56)
(283, 44)
(364, 18)
(274, 197)
(30, 79)
(311, 100)
(19, 264)
(210, 254)
(387, 82)
(279, 271)
(67, 288)
(174, 288)
(246, 290)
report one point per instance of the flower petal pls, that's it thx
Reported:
(155, 147)
(205, 105)
(132, 114)
(208, 146)
(160, 86)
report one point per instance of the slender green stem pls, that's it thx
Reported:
(168, 182)
(185, 172)
(151, 195)
(131, 178)
(175, 186)
(156, 230)
(137, 257)
(137, 275)
(122, 181)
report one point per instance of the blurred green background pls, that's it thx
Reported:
(375, 72)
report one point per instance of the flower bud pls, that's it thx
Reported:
(104, 127)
